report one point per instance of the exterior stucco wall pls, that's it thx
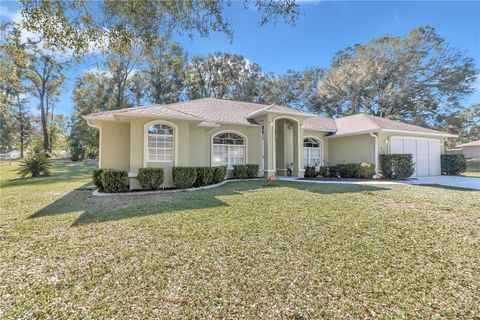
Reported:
(123, 146)
(115, 145)
(351, 149)
(471, 152)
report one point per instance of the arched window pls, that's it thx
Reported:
(160, 143)
(228, 149)
(312, 152)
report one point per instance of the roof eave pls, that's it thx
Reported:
(354, 133)
(156, 116)
(437, 134)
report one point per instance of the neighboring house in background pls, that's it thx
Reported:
(214, 132)
(471, 149)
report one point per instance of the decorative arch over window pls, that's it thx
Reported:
(312, 152)
(161, 143)
(228, 149)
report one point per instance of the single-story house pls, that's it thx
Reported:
(471, 149)
(213, 132)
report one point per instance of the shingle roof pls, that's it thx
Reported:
(317, 123)
(359, 123)
(470, 144)
(211, 111)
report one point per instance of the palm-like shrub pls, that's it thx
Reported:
(35, 166)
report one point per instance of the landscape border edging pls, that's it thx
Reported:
(96, 192)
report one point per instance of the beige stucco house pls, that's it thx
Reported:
(470, 149)
(211, 132)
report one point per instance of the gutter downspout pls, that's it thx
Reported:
(376, 155)
(99, 142)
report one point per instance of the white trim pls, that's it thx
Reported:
(376, 155)
(300, 141)
(99, 142)
(322, 148)
(145, 141)
(227, 131)
(353, 133)
(421, 133)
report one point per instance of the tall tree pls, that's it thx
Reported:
(77, 25)
(119, 69)
(406, 78)
(225, 76)
(165, 72)
(295, 89)
(13, 61)
(90, 95)
(44, 73)
(22, 120)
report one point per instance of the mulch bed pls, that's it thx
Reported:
(346, 179)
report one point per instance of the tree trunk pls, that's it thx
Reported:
(22, 133)
(46, 144)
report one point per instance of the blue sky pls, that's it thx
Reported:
(323, 28)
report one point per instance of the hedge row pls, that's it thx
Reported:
(348, 170)
(245, 171)
(397, 166)
(187, 177)
(356, 170)
(113, 181)
(453, 164)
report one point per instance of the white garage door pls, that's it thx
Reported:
(426, 154)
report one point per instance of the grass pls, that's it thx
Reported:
(241, 251)
(473, 168)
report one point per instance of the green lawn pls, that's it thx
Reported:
(473, 168)
(244, 250)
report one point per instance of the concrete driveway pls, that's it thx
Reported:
(450, 181)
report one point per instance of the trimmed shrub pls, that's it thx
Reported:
(114, 181)
(356, 170)
(219, 174)
(322, 171)
(35, 166)
(331, 171)
(309, 172)
(387, 164)
(252, 170)
(204, 176)
(397, 166)
(97, 178)
(239, 171)
(150, 178)
(453, 164)
(184, 177)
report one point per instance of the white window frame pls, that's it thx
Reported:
(245, 146)
(145, 142)
(308, 149)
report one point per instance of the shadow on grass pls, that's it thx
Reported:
(440, 186)
(103, 209)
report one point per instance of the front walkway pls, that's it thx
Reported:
(449, 181)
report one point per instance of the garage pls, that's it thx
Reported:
(426, 154)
